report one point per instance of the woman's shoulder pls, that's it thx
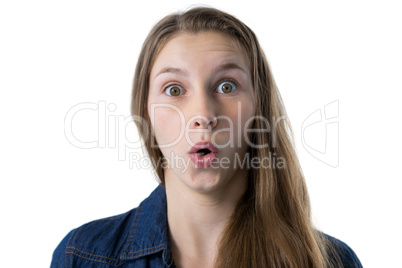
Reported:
(109, 240)
(339, 249)
(99, 234)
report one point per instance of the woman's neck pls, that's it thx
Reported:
(196, 220)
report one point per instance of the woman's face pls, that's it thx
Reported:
(201, 91)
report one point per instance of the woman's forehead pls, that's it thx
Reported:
(187, 50)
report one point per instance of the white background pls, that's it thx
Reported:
(57, 54)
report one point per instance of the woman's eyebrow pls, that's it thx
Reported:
(228, 66)
(172, 70)
(220, 68)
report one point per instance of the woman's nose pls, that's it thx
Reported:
(203, 122)
(203, 111)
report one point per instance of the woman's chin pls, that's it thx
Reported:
(201, 180)
(204, 182)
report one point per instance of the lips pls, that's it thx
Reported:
(204, 145)
(202, 154)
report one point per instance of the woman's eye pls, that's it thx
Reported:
(174, 90)
(226, 87)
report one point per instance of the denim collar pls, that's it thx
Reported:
(149, 230)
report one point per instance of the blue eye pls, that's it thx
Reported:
(174, 90)
(226, 87)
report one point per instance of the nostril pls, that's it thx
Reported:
(205, 122)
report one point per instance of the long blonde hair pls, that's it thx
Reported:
(271, 226)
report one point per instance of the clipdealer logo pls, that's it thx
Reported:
(320, 134)
(319, 131)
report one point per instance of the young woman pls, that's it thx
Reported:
(231, 190)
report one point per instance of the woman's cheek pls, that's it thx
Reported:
(167, 126)
(247, 120)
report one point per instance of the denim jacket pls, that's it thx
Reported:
(138, 238)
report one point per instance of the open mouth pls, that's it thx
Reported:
(203, 152)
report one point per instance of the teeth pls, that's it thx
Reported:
(203, 152)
